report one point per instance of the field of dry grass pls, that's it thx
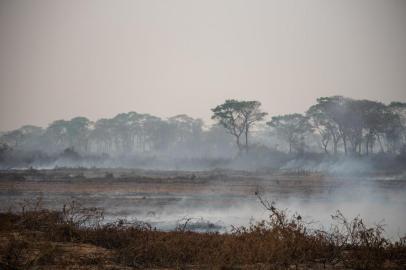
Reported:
(74, 238)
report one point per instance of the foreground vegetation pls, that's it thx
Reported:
(75, 236)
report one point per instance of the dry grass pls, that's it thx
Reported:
(76, 236)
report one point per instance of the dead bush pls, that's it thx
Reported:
(279, 242)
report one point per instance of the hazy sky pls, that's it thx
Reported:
(60, 59)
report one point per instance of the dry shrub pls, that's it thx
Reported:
(24, 252)
(280, 242)
(75, 214)
(35, 217)
(15, 253)
(363, 247)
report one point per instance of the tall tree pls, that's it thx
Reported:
(78, 130)
(252, 113)
(374, 119)
(325, 126)
(291, 128)
(13, 138)
(238, 117)
(399, 109)
(57, 135)
(333, 114)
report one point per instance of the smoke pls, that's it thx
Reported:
(348, 165)
(363, 197)
(215, 200)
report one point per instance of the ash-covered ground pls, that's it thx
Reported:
(211, 200)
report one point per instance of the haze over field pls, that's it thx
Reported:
(203, 134)
(61, 59)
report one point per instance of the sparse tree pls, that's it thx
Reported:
(13, 138)
(238, 117)
(291, 128)
(333, 115)
(399, 109)
(325, 126)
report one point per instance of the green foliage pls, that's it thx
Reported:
(237, 117)
(356, 127)
(292, 128)
(357, 122)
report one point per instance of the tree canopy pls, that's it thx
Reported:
(238, 117)
(333, 125)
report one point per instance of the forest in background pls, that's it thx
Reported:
(333, 128)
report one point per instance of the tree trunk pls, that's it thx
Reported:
(246, 139)
(359, 148)
(335, 144)
(345, 145)
(238, 144)
(380, 143)
(367, 145)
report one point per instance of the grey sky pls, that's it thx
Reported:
(60, 59)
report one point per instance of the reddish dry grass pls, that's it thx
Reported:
(37, 236)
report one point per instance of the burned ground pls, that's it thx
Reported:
(58, 234)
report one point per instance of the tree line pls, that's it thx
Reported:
(337, 122)
(125, 134)
(333, 125)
